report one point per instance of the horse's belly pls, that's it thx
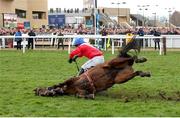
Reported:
(103, 84)
(124, 75)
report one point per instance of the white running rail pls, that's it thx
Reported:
(173, 41)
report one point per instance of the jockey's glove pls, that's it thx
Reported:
(70, 60)
(74, 58)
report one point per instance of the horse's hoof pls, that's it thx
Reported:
(90, 96)
(141, 60)
(145, 74)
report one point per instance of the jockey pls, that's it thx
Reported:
(94, 55)
(129, 38)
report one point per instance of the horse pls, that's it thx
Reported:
(99, 78)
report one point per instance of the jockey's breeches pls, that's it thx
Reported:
(93, 62)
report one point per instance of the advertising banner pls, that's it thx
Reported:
(71, 20)
(27, 25)
(10, 20)
(56, 20)
(20, 25)
(89, 23)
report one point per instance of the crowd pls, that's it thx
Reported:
(81, 30)
(71, 30)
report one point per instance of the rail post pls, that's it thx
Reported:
(164, 45)
(3, 43)
(69, 46)
(24, 45)
(112, 46)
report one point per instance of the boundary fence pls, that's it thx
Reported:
(170, 41)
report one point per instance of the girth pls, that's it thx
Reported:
(90, 81)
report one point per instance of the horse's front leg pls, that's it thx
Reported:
(84, 94)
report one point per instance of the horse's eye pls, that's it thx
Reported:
(65, 86)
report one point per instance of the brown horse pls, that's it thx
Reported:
(100, 77)
(97, 79)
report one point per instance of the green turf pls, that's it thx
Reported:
(21, 73)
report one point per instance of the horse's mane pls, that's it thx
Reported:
(70, 81)
(67, 82)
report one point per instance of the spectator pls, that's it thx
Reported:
(157, 40)
(104, 33)
(141, 33)
(94, 55)
(18, 40)
(54, 34)
(60, 40)
(30, 40)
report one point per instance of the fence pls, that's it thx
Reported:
(173, 41)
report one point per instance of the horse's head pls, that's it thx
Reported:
(44, 92)
(50, 91)
(67, 87)
(60, 90)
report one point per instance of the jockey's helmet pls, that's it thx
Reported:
(78, 41)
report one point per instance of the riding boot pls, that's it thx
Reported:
(81, 71)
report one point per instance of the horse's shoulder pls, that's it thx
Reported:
(106, 64)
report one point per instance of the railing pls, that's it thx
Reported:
(173, 41)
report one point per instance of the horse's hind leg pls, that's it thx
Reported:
(139, 60)
(128, 75)
(125, 75)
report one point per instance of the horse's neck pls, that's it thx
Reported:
(71, 80)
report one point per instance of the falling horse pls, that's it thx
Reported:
(98, 78)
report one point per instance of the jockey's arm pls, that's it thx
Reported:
(76, 53)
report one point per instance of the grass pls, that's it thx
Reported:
(21, 73)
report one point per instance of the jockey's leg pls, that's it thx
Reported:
(91, 63)
(81, 71)
(85, 67)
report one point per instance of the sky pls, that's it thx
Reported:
(161, 9)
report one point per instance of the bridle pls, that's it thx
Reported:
(76, 65)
